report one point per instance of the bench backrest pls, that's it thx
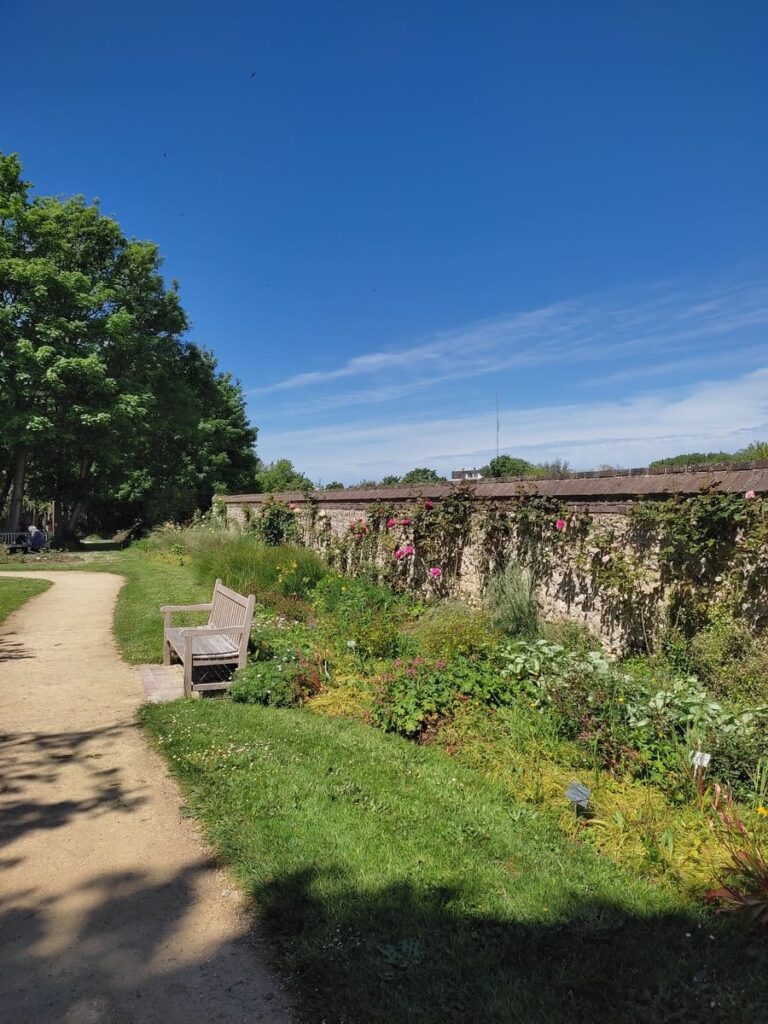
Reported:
(228, 608)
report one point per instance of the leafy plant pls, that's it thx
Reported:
(744, 879)
(510, 601)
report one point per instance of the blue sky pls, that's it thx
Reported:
(382, 215)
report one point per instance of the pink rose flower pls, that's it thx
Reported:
(560, 524)
(292, 506)
(749, 494)
(429, 504)
(405, 522)
(436, 573)
(391, 523)
(408, 549)
(399, 553)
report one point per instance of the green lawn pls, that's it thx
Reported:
(399, 886)
(13, 594)
(151, 581)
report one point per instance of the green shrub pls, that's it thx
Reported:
(511, 603)
(275, 522)
(573, 636)
(268, 682)
(416, 693)
(452, 628)
(356, 614)
(250, 567)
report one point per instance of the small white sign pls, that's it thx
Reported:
(700, 759)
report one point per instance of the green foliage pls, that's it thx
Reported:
(451, 628)
(334, 485)
(753, 452)
(421, 475)
(275, 522)
(507, 466)
(92, 355)
(272, 681)
(242, 561)
(510, 601)
(360, 616)
(281, 476)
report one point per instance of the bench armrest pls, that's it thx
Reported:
(168, 610)
(210, 631)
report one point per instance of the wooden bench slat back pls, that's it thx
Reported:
(228, 607)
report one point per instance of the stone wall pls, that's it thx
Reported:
(577, 535)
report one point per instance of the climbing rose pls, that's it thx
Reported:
(408, 549)
(429, 504)
(391, 523)
(560, 524)
(399, 553)
(436, 573)
(405, 522)
(749, 494)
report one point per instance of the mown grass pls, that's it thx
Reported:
(151, 580)
(398, 885)
(14, 593)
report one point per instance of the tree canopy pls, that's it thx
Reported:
(107, 412)
(421, 475)
(507, 465)
(282, 476)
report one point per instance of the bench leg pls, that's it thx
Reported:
(188, 677)
(166, 652)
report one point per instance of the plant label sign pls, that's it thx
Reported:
(700, 759)
(579, 795)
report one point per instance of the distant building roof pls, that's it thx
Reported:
(467, 474)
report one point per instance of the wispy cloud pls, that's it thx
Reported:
(706, 415)
(663, 321)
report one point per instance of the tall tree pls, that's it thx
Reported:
(102, 400)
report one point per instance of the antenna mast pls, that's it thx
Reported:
(497, 424)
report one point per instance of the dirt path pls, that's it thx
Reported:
(110, 907)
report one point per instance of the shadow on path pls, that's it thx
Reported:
(12, 649)
(118, 968)
(28, 759)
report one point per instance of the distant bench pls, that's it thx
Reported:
(16, 540)
(223, 641)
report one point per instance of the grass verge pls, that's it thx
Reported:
(14, 593)
(398, 886)
(151, 580)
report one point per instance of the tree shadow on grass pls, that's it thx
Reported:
(410, 954)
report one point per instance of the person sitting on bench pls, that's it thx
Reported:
(35, 540)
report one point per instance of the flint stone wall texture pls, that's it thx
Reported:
(565, 590)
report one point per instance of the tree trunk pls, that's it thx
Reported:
(6, 488)
(74, 517)
(17, 494)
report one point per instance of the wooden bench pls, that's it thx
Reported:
(223, 641)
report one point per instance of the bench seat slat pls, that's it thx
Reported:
(204, 648)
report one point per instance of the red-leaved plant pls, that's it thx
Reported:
(744, 879)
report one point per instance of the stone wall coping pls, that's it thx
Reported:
(602, 485)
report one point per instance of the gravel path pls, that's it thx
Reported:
(111, 908)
